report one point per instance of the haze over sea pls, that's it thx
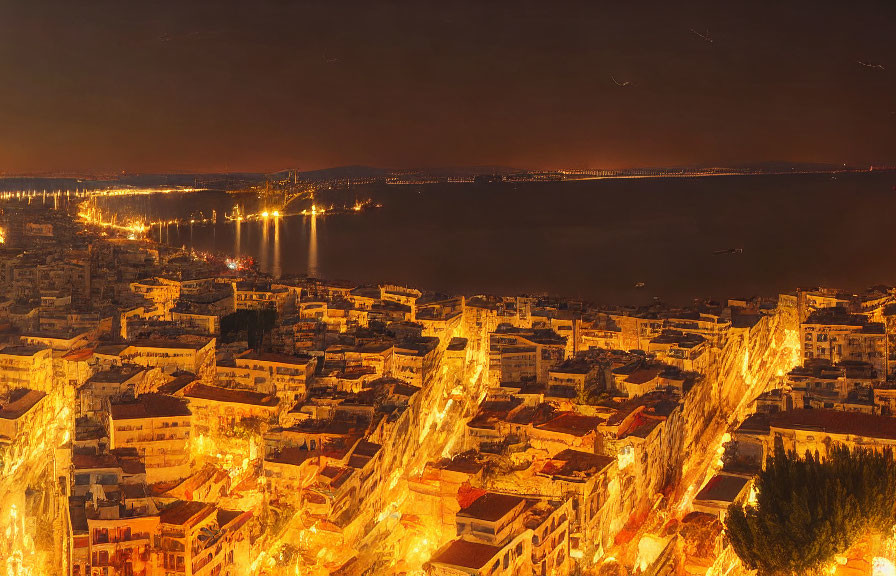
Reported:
(592, 239)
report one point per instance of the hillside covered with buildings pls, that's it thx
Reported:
(164, 413)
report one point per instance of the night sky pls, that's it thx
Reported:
(263, 85)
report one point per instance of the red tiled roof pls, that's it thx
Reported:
(78, 355)
(837, 422)
(572, 423)
(183, 513)
(467, 494)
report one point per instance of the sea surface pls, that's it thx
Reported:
(598, 240)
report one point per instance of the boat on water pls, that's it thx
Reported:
(729, 251)
(639, 284)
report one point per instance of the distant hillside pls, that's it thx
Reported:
(335, 173)
(237, 180)
(782, 166)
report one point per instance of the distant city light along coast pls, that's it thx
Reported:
(447, 289)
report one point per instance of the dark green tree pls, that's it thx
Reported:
(255, 325)
(810, 509)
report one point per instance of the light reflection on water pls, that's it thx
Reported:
(595, 239)
(276, 269)
(236, 246)
(312, 246)
(265, 244)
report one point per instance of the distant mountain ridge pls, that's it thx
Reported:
(358, 172)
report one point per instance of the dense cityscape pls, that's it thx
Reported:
(403, 288)
(171, 412)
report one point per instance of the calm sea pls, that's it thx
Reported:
(593, 239)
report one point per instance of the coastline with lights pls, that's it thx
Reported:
(314, 210)
(315, 427)
(134, 226)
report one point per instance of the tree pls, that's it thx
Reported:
(247, 428)
(810, 509)
(255, 324)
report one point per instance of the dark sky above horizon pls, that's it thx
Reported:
(263, 85)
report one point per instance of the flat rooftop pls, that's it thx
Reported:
(217, 394)
(457, 344)
(20, 402)
(572, 424)
(22, 350)
(117, 374)
(276, 358)
(466, 554)
(722, 488)
(576, 464)
(491, 506)
(171, 344)
(836, 422)
(150, 406)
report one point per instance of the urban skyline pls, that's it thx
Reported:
(296, 288)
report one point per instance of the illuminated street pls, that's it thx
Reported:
(447, 288)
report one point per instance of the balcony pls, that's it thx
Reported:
(174, 567)
(207, 561)
(100, 539)
(172, 545)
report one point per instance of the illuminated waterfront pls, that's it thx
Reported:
(447, 289)
(364, 425)
(596, 239)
